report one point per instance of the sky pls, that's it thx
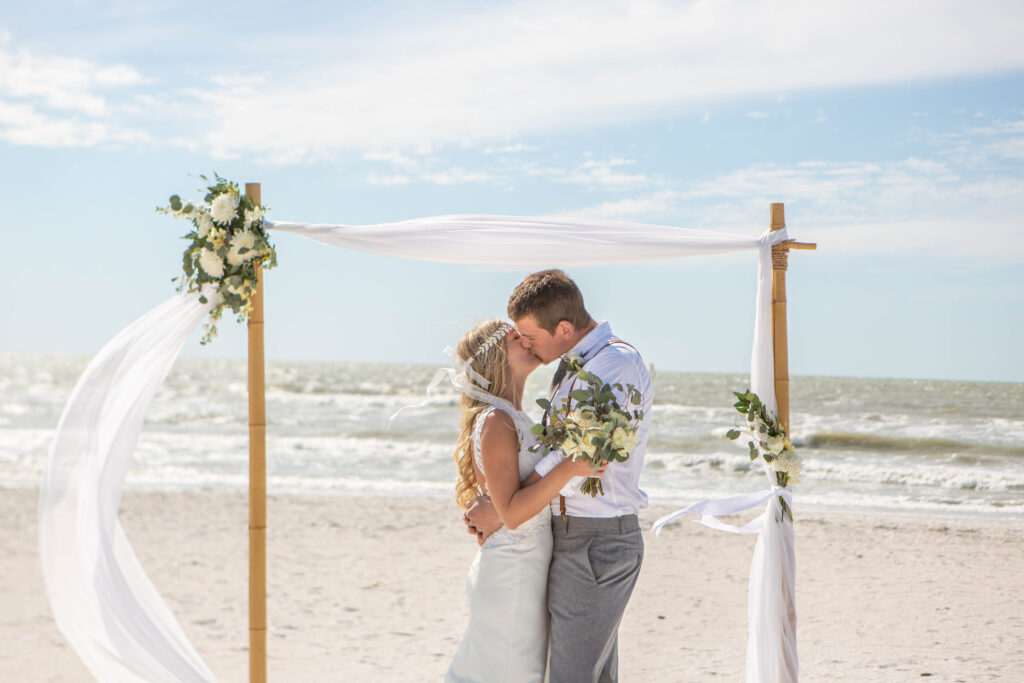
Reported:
(892, 131)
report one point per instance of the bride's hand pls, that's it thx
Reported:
(582, 468)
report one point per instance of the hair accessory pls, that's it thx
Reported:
(495, 337)
(464, 378)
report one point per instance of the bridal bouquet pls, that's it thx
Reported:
(226, 242)
(768, 440)
(597, 429)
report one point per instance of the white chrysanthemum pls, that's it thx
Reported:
(211, 263)
(205, 224)
(252, 217)
(224, 207)
(217, 236)
(242, 240)
(790, 463)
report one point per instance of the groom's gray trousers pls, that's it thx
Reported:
(594, 567)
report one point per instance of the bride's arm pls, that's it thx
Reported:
(499, 451)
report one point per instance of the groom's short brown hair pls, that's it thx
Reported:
(550, 297)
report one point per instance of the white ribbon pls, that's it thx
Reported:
(462, 376)
(711, 510)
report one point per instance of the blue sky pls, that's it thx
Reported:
(892, 131)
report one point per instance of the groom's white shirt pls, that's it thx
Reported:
(616, 364)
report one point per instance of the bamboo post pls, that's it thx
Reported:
(257, 479)
(780, 343)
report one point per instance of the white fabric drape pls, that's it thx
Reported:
(102, 599)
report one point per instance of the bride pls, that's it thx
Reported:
(507, 635)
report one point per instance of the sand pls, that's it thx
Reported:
(372, 589)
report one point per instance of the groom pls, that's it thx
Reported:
(598, 548)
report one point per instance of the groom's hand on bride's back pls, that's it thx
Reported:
(481, 518)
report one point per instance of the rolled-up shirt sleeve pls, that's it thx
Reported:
(548, 463)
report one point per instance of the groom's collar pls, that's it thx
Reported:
(593, 341)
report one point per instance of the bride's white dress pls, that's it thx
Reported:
(507, 635)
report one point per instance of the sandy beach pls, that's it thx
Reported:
(372, 589)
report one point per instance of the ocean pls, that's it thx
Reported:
(934, 447)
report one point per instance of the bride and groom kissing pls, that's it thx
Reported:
(556, 567)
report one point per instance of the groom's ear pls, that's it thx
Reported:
(565, 329)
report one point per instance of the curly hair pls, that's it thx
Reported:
(493, 365)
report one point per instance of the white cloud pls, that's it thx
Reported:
(657, 205)
(65, 83)
(756, 115)
(919, 206)
(56, 101)
(392, 179)
(22, 124)
(565, 64)
(604, 174)
(509, 149)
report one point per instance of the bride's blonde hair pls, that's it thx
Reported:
(492, 364)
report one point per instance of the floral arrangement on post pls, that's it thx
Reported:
(598, 429)
(769, 440)
(226, 242)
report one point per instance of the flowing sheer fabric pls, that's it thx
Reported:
(102, 599)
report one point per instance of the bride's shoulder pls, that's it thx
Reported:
(494, 415)
(495, 423)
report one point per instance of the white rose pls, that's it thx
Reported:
(775, 444)
(587, 446)
(624, 439)
(224, 207)
(572, 448)
(211, 263)
(585, 418)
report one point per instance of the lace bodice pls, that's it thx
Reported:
(527, 461)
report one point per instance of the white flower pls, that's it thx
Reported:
(211, 263)
(775, 444)
(790, 463)
(574, 361)
(252, 217)
(572, 447)
(205, 224)
(624, 439)
(217, 236)
(585, 418)
(224, 207)
(242, 240)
